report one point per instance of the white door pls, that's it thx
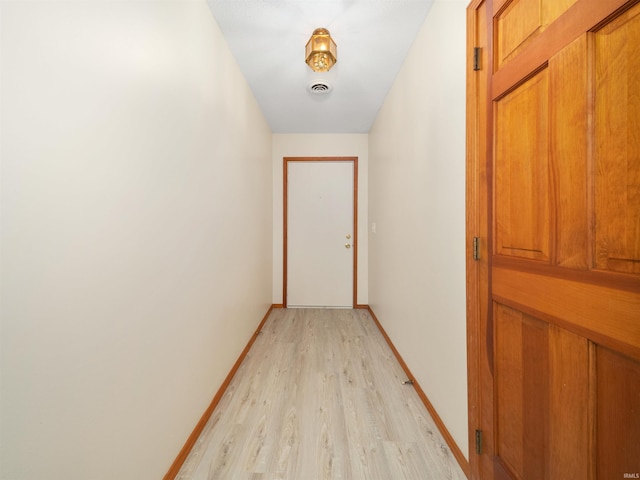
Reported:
(320, 235)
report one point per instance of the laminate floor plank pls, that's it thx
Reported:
(320, 396)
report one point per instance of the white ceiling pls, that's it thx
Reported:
(268, 37)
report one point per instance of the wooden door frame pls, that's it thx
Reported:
(285, 194)
(478, 211)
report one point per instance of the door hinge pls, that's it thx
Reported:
(476, 248)
(479, 442)
(477, 55)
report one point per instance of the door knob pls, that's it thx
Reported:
(347, 245)
(348, 236)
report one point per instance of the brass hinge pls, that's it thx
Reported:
(477, 55)
(479, 442)
(476, 248)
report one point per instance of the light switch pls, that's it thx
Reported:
(373, 227)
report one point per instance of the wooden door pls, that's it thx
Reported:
(554, 196)
(320, 247)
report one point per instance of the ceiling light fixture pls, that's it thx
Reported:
(321, 52)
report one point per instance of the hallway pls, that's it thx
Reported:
(142, 230)
(320, 395)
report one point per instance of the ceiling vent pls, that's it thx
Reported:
(319, 87)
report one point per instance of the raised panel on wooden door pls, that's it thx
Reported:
(569, 120)
(542, 403)
(522, 193)
(519, 21)
(617, 141)
(618, 413)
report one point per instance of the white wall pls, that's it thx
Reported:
(417, 201)
(136, 233)
(321, 145)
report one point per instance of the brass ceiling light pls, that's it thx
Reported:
(321, 52)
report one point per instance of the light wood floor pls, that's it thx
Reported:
(320, 396)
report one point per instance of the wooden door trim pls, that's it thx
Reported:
(472, 271)
(285, 194)
(478, 179)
